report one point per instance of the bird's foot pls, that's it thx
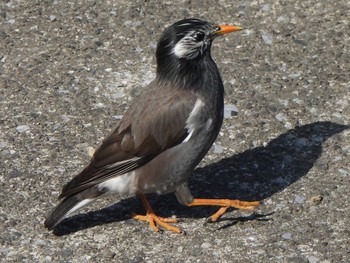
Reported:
(156, 221)
(224, 205)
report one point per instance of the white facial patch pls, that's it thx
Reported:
(187, 47)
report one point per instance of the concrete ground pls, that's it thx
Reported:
(68, 71)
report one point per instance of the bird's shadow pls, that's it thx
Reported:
(254, 174)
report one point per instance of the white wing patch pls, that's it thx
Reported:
(191, 123)
(121, 185)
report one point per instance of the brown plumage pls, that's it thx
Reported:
(164, 134)
(139, 136)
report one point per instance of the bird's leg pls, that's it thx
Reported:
(224, 205)
(154, 220)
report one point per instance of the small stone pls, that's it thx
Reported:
(230, 110)
(22, 128)
(118, 95)
(281, 117)
(267, 39)
(40, 242)
(66, 253)
(343, 172)
(313, 259)
(2, 144)
(266, 8)
(65, 118)
(283, 19)
(299, 199)
(108, 254)
(252, 238)
(205, 245)
(99, 106)
(90, 151)
(316, 199)
(52, 18)
(300, 42)
(218, 148)
(117, 117)
(287, 236)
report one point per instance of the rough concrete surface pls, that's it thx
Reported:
(69, 69)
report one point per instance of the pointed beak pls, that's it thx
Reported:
(225, 29)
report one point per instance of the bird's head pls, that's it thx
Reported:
(190, 39)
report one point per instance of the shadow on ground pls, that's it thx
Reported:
(255, 174)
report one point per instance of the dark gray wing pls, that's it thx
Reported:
(155, 122)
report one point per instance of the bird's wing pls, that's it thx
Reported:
(153, 123)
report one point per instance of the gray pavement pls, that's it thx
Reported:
(68, 71)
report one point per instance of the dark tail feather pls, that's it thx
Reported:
(60, 211)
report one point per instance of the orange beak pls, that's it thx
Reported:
(225, 29)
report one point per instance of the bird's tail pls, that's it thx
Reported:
(68, 205)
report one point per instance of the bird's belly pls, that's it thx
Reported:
(166, 172)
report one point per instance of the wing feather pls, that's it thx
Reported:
(155, 122)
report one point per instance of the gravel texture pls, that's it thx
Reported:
(69, 69)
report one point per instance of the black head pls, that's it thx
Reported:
(187, 41)
(190, 38)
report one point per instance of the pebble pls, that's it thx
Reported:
(252, 238)
(299, 199)
(300, 42)
(22, 128)
(118, 95)
(343, 172)
(205, 245)
(91, 151)
(108, 254)
(65, 253)
(117, 117)
(313, 259)
(52, 18)
(283, 19)
(267, 39)
(230, 110)
(266, 8)
(2, 144)
(281, 117)
(287, 236)
(218, 148)
(316, 199)
(99, 105)
(65, 118)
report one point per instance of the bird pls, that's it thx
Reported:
(163, 135)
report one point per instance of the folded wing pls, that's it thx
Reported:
(155, 122)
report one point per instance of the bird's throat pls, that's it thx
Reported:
(188, 74)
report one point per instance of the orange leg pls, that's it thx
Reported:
(154, 220)
(224, 205)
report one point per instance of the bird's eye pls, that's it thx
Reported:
(199, 36)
